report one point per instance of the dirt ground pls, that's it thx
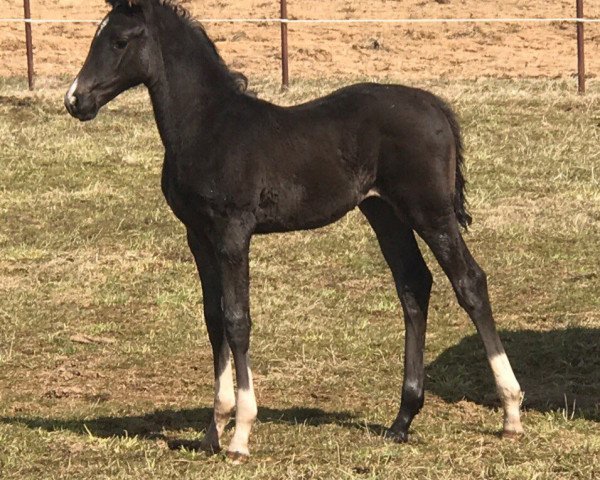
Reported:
(399, 51)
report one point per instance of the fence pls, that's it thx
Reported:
(284, 21)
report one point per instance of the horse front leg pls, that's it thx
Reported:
(233, 253)
(224, 400)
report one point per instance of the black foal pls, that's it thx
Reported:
(236, 165)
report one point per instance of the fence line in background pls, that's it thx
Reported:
(579, 20)
(336, 20)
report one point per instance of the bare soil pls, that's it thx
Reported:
(427, 51)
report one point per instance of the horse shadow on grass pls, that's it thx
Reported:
(557, 370)
(153, 425)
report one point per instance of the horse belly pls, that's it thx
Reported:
(294, 206)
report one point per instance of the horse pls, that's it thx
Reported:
(236, 165)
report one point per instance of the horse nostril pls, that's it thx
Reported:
(71, 103)
(71, 99)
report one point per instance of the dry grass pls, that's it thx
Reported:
(104, 362)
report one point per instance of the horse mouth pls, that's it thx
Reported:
(86, 117)
(81, 115)
(84, 113)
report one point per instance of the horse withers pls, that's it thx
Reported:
(236, 165)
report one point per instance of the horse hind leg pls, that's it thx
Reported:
(413, 285)
(470, 285)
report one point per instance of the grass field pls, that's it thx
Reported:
(105, 368)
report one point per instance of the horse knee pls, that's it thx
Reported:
(237, 330)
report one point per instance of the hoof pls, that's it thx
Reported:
(513, 434)
(210, 448)
(237, 458)
(398, 437)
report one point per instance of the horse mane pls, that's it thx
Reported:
(238, 80)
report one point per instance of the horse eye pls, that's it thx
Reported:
(120, 44)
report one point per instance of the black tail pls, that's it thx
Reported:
(460, 201)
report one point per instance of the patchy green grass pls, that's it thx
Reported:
(105, 367)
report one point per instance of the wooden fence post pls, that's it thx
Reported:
(580, 50)
(28, 43)
(285, 76)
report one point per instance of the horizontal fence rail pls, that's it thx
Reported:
(337, 20)
(284, 21)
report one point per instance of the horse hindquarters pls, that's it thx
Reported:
(420, 177)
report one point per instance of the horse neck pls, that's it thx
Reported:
(188, 80)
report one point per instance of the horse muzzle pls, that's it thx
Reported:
(80, 106)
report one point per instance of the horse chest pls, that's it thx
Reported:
(189, 207)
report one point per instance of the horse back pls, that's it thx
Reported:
(306, 166)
